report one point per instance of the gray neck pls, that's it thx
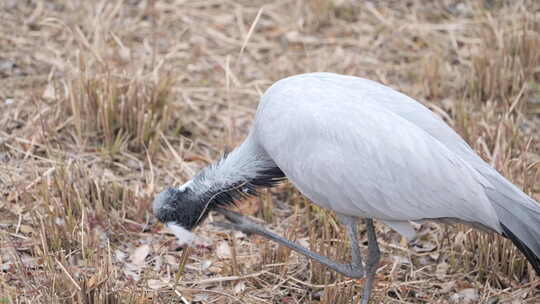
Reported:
(237, 174)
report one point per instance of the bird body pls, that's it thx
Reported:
(347, 152)
(358, 147)
(363, 150)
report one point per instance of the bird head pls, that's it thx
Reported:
(181, 210)
(181, 207)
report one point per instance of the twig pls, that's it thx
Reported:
(68, 274)
(225, 279)
(253, 25)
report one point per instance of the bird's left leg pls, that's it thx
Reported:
(240, 222)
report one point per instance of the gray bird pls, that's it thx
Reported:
(364, 151)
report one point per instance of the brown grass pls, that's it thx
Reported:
(104, 103)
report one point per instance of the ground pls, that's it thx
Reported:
(105, 103)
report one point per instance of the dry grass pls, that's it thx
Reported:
(105, 102)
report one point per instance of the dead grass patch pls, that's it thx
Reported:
(104, 103)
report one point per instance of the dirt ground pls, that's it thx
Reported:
(105, 103)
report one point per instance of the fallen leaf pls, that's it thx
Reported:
(30, 261)
(202, 242)
(459, 239)
(303, 242)
(92, 281)
(27, 229)
(239, 234)
(6, 66)
(132, 271)
(125, 54)
(171, 260)
(120, 255)
(468, 295)
(157, 284)
(401, 260)
(447, 287)
(239, 287)
(158, 261)
(6, 266)
(223, 250)
(201, 297)
(422, 247)
(49, 92)
(139, 255)
(205, 264)
(441, 271)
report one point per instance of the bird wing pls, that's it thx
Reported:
(349, 154)
(408, 109)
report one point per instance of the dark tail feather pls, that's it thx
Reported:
(527, 252)
(519, 217)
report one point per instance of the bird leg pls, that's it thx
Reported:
(350, 224)
(373, 251)
(242, 223)
(372, 261)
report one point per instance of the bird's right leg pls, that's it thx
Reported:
(242, 223)
(372, 261)
(350, 224)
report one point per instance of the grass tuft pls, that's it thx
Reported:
(116, 112)
(104, 103)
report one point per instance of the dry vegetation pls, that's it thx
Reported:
(104, 103)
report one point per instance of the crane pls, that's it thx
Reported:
(364, 151)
